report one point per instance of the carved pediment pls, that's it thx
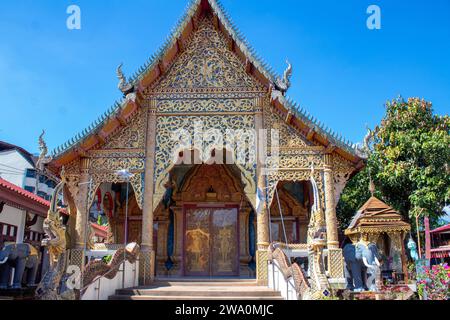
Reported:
(289, 137)
(130, 137)
(211, 183)
(206, 62)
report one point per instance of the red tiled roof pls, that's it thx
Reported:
(23, 193)
(441, 229)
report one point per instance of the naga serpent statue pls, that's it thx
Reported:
(55, 283)
(56, 243)
(283, 85)
(124, 86)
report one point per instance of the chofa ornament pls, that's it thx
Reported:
(284, 84)
(124, 85)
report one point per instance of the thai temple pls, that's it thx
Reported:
(208, 167)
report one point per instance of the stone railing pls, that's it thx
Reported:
(123, 275)
(289, 279)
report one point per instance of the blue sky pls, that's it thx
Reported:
(62, 80)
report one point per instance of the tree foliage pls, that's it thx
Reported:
(409, 162)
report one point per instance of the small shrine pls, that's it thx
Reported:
(378, 223)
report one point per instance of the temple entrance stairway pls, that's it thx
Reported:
(201, 289)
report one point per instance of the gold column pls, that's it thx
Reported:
(161, 252)
(262, 218)
(178, 240)
(245, 257)
(81, 204)
(330, 206)
(147, 265)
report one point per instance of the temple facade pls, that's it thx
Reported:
(197, 203)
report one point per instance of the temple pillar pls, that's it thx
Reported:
(330, 205)
(147, 257)
(81, 204)
(81, 193)
(161, 252)
(178, 239)
(245, 257)
(335, 257)
(262, 217)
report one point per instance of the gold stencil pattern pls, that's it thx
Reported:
(132, 136)
(166, 145)
(206, 105)
(206, 63)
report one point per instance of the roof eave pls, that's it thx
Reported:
(151, 71)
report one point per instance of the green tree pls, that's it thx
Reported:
(409, 162)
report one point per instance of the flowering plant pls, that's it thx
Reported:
(434, 282)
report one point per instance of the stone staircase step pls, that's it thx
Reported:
(203, 283)
(176, 298)
(199, 289)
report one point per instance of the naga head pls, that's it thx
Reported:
(53, 227)
(288, 74)
(43, 158)
(123, 85)
(282, 85)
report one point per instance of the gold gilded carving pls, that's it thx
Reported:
(119, 162)
(206, 105)
(207, 62)
(197, 241)
(166, 144)
(305, 161)
(294, 175)
(136, 182)
(216, 177)
(224, 246)
(225, 261)
(342, 170)
(131, 136)
(262, 272)
(289, 137)
(335, 263)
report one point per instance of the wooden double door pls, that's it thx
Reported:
(211, 241)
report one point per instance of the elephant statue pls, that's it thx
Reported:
(362, 266)
(23, 258)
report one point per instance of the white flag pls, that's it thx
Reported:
(259, 201)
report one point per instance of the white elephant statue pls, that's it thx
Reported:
(23, 258)
(362, 266)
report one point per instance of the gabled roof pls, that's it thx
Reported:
(20, 198)
(5, 146)
(157, 64)
(375, 216)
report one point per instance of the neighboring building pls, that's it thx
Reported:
(202, 218)
(22, 214)
(18, 166)
(437, 243)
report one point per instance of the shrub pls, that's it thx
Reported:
(434, 283)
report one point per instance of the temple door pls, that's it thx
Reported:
(211, 242)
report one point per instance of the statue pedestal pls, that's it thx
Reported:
(26, 293)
